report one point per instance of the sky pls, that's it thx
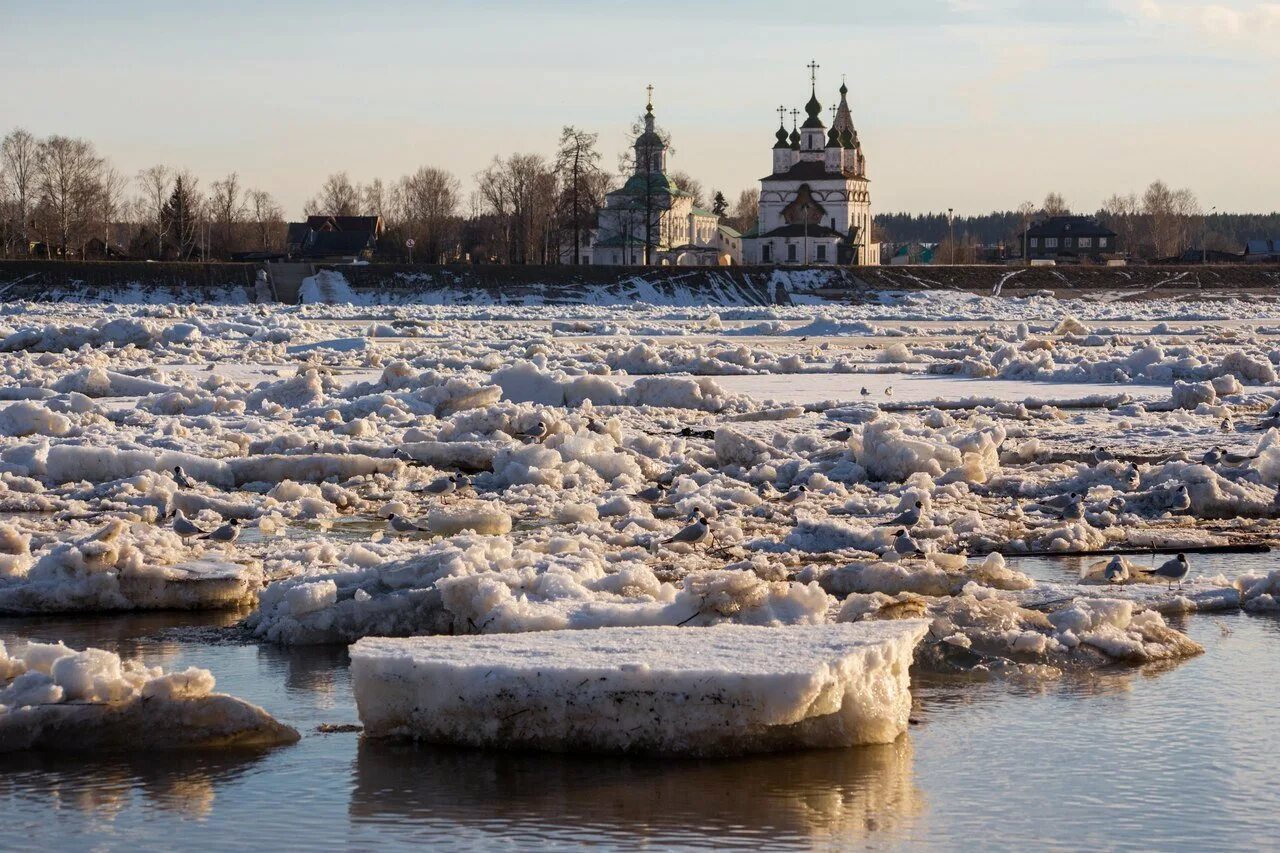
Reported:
(967, 104)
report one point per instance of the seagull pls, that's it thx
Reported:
(795, 494)
(865, 392)
(696, 533)
(1174, 571)
(1059, 501)
(909, 518)
(888, 391)
(905, 545)
(184, 527)
(180, 477)
(1116, 571)
(1101, 454)
(226, 534)
(1131, 478)
(1181, 499)
(538, 433)
(651, 495)
(1212, 458)
(400, 524)
(1226, 424)
(1073, 511)
(841, 435)
(1237, 458)
(405, 457)
(442, 487)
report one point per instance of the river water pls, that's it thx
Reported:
(1165, 757)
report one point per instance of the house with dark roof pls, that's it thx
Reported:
(1070, 239)
(1262, 251)
(334, 238)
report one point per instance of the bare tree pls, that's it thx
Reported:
(68, 175)
(19, 167)
(1170, 217)
(1056, 205)
(746, 213)
(375, 200)
(156, 184)
(1123, 215)
(226, 208)
(338, 197)
(578, 168)
(429, 202)
(267, 217)
(110, 205)
(692, 186)
(521, 192)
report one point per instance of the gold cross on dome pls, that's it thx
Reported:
(813, 71)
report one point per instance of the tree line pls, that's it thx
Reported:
(1162, 222)
(59, 199)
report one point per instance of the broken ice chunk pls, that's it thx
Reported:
(730, 689)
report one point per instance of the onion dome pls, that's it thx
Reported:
(814, 110)
(833, 139)
(783, 141)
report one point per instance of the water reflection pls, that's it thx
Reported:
(183, 784)
(841, 795)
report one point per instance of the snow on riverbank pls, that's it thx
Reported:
(695, 692)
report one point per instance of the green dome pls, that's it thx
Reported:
(846, 139)
(781, 135)
(833, 139)
(795, 140)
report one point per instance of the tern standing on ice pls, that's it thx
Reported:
(184, 527)
(227, 534)
(696, 533)
(443, 487)
(180, 477)
(910, 518)
(1174, 571)
(904, 545)
(400, 524)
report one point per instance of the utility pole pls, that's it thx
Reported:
(951, 223)
(1204, 238)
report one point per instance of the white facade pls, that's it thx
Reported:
(681, 235)
(815, 208)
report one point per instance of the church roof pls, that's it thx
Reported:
(799, 229)
(808, 170)
(729, 232)
(659, 184)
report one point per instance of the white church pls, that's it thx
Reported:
(815, 208)
(679, 233)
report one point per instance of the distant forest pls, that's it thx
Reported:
(1225, 231)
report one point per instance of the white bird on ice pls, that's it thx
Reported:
(1181, 499)
(865, 392)
(1101, 454)
(795, 494)
(696, 533)
(442, 487)
(226, 534)
(841, 435)
(184, 527)
(908, 518)
(1116, 571)
(905, 545)
(538, 432)
(1174, 571)
(400, 524)
(1059, 501)
(652, 495)
(180, 477)
(888, 391)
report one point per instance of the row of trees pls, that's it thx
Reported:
(1162, 222)
(59, 198)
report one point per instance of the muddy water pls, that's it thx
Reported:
(1176, 757)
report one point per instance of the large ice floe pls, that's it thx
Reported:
(707, 691)
(56, 698)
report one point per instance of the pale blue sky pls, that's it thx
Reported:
(972, 104)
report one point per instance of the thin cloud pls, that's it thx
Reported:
(1257, 23)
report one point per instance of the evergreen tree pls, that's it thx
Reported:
(720, 204)
(181, 216)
